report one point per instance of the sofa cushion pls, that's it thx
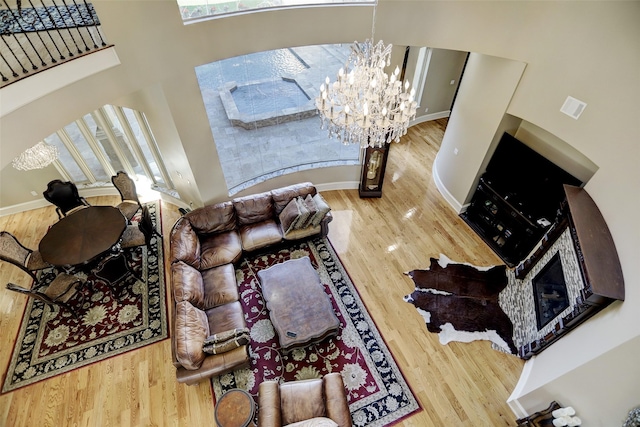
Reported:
(213, 218)
(254, 208)
(219, 285)
(301, 400)
(185, 244)
(221, 248)
(256, 236)
(282, 196)
(187, 284)
(322, 209)
(301, 233)
(224, 318)
(192, 328)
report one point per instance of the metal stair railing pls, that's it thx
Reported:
(39, 34)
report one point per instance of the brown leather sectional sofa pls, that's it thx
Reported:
(205, 244)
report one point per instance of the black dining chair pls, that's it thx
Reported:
(14, 252)
(65, 196)
(130, 203)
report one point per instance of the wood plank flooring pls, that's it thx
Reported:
(378, 240)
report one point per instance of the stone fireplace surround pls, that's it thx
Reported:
(591, 269)
(517, 299)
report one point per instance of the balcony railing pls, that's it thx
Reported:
(37, 35)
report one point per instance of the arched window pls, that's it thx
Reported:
(198, 9)
(99, 144)
(262, 113)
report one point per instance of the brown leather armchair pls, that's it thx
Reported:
(300, 401)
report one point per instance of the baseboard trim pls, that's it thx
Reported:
(457, 206)
(513, 401)
(430, 117)
(345, 185)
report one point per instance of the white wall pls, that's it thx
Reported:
(483, 97)
(589, 50)
(444, 66)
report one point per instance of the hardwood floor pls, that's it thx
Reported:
(377, 240)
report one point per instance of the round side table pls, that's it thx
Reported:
(236, 408)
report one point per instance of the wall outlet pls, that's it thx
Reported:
(33, 193)
(455, 151)
(426, 110)
(452, 82)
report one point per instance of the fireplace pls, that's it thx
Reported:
(574, 273)
(550, 292)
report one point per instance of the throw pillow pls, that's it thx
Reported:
(315, 422)
(289, 215)
(226, 335)
(322, 209)
(301, 221)
(212, 345)
(311, 206)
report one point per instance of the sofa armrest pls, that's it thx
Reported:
(269, 404)
(215, 365)
(185, 243)
(324, 224)
(336, 404)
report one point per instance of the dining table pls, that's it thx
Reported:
(82, 236)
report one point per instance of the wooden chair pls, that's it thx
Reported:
(130, 203)
(140, 234)
(115, 267)
(12, 251)
(59, 291)
(65, 196)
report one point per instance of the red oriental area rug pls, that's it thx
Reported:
(112, 319)
(376, 389)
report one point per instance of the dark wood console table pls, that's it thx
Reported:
(597, 258)
(508, 231)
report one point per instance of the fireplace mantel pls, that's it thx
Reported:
(597, 259)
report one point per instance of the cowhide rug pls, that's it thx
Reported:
(459, 301)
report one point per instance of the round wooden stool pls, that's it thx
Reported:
(236, 408)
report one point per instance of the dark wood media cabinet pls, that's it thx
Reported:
(597, 258)
(502, 225)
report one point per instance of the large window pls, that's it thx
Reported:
(197, 9)
(110, 139)
(262, 114)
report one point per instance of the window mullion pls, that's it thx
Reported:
(73, 150)
(101, 118)
(151, 143)
(93, 143)
(62, 170)
(135, 146)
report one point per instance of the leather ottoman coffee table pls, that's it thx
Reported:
(299, 308)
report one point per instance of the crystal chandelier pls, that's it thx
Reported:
(364, 105)
(36, 157)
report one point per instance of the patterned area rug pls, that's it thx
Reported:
(111, 320)
(376, 389)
